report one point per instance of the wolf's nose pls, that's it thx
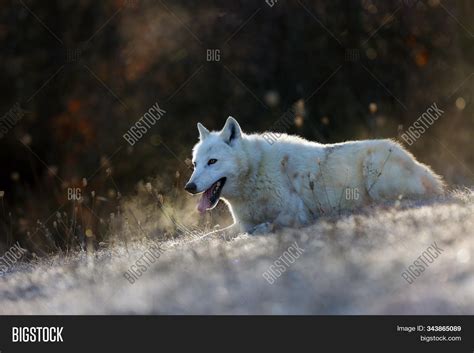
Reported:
(191, 188)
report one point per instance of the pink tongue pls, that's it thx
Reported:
(205, 201)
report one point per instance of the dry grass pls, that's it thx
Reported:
(352, 264)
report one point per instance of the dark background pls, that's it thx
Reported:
(85, 71)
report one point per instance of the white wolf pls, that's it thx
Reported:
(293, 181)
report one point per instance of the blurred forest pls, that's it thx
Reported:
(83, 72)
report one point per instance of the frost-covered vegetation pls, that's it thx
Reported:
(351, 264)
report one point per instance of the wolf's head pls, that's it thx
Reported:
(218, 164)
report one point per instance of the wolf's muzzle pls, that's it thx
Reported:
(191, 188)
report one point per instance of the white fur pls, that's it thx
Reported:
(293, 181)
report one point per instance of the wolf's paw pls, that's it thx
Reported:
(262, 228)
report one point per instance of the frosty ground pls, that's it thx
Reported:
(351, 264)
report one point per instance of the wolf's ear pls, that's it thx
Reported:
(231, 131)
(203, 132)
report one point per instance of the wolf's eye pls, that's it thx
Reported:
(211, 161)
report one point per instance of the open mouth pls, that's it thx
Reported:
(211, 196)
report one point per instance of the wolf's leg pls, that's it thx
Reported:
(284, 219)
(262, 228)
(390, 171)
(226, 233)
